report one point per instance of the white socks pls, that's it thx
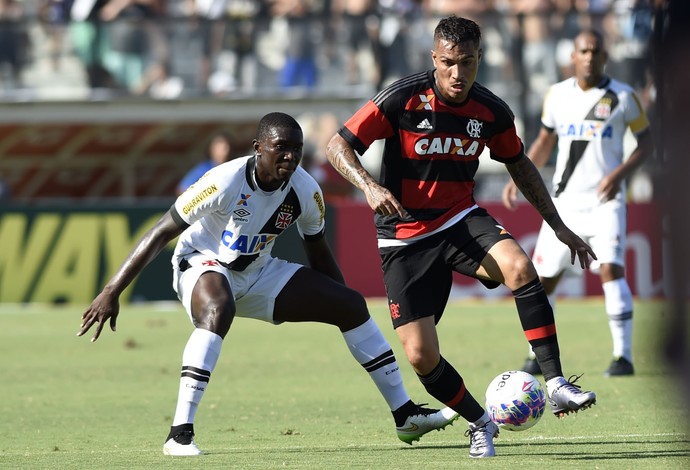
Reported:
(483, 420)
(366, 343)
(373, 352)
(619, 308)
(198, 361)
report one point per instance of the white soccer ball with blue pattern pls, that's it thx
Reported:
(515, 400)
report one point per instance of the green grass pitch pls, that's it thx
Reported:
(291, 396)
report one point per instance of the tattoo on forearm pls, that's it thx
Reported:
(529, 181)
(341, 161)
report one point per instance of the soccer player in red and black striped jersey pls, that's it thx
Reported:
(435, 125)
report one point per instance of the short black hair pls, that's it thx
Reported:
(272, 121)
(458, 30)
(591, 32)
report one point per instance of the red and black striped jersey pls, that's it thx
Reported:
(431, 149)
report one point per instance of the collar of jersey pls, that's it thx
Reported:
(250, 174)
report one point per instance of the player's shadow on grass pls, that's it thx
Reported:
(650, 454)
(587, 453)
(581, 449)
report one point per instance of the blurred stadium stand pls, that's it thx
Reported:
(182, 60)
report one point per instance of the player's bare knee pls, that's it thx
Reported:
(422, 358)
(215, 316)
(518, 272)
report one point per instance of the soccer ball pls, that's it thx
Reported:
(515, 400)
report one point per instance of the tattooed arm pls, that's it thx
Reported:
(539, 152)
(343, 158)
(529, 181)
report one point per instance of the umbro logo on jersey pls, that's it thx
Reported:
(241, 214)
(425, 124)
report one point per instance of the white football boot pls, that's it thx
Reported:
(423, 421)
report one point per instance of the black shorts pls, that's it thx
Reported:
(419, 276)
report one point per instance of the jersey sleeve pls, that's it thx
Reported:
(205, 196)
(505, 145)
(547, 117)
(635, 116)
(367, 125)
(194, 174)
(311, 223)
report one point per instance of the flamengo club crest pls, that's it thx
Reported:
(603, 109)
(474, 128)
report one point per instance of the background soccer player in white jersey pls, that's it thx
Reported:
(222, 268)
(588, 116)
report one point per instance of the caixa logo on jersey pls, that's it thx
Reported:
(586, 130)
(447, 146)
(247, 244)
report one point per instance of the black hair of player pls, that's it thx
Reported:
(275, 120)
(457, 30)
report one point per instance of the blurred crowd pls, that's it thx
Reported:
(194, 49)
(176, 48)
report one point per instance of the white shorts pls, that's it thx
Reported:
(255, 290)
(602, 226)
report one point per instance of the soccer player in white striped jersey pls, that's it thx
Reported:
(587, 116)
(222, 268)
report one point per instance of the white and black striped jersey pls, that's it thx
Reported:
(591, 126)
(230, 219)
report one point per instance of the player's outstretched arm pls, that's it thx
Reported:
(343, 158)
(105, 307)
(529, 181)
